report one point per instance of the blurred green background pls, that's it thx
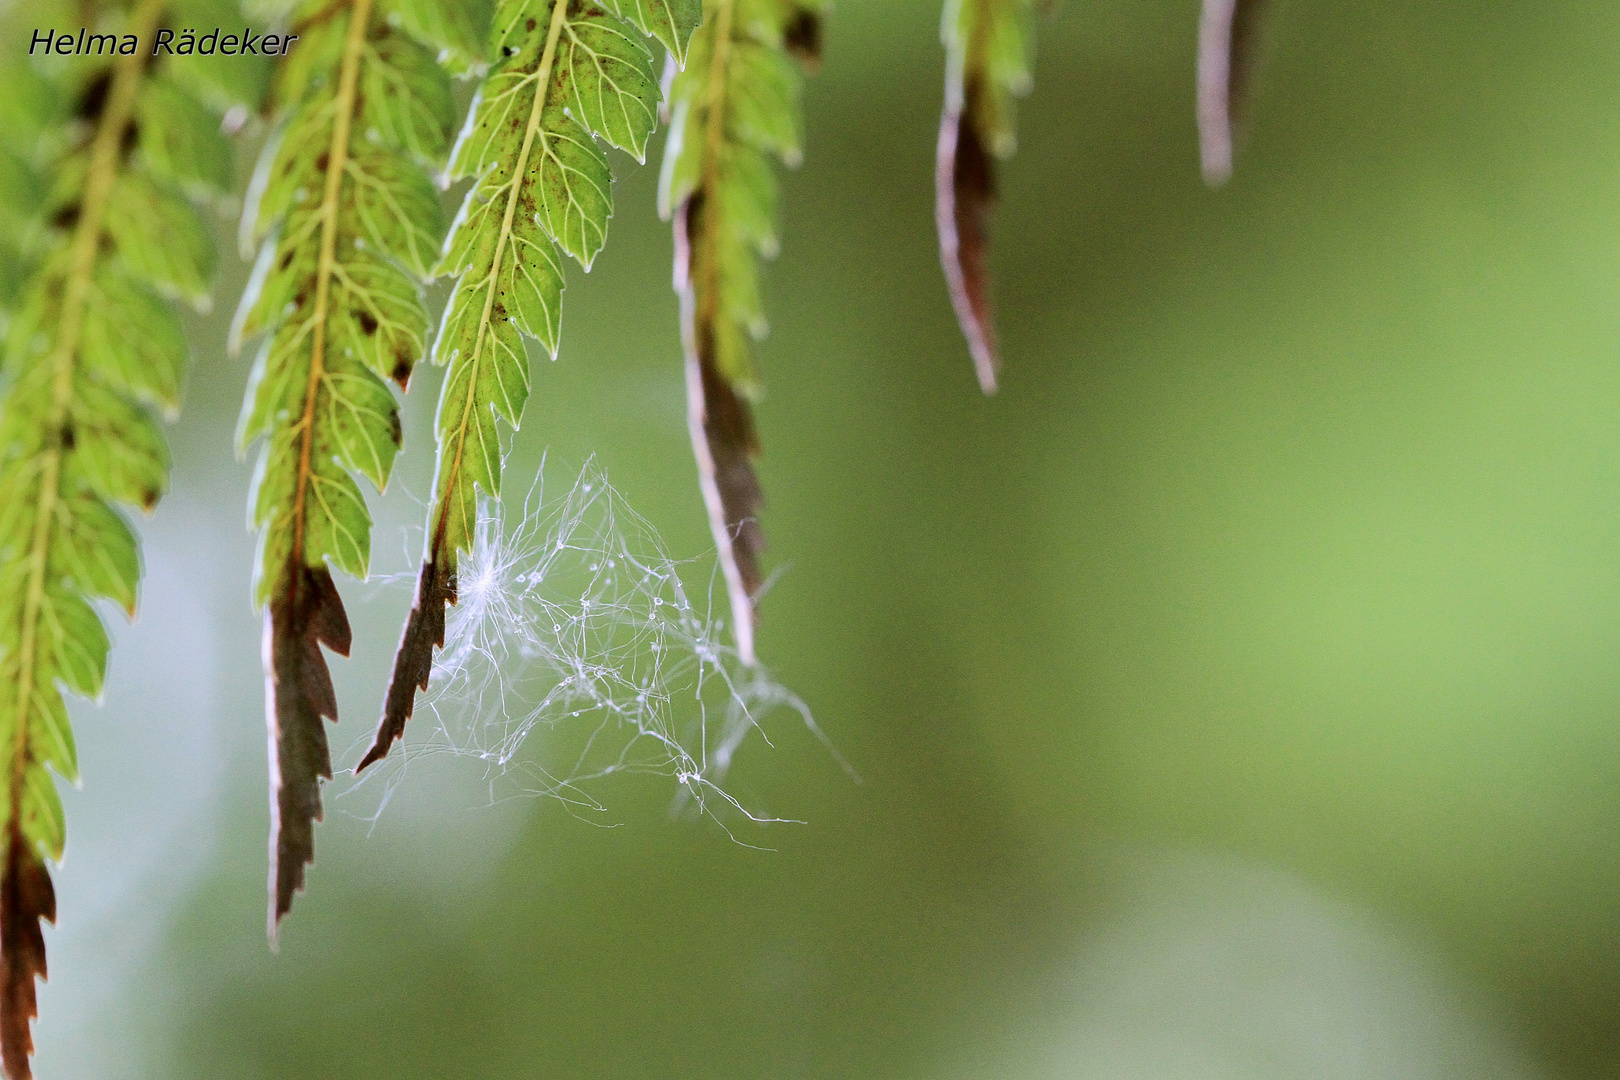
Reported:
(1237, 694)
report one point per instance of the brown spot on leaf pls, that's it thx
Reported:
(404, 361)
(368, 322)
(92, 99)
(802, 37)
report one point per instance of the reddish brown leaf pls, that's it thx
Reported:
(306, 614)
(1226, 58)
(723, 440)
(964, 195)
(26, 897)
(413, 662)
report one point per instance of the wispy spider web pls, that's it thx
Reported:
(577, 653)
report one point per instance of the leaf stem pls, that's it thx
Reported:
(103, 171)
(337, 157)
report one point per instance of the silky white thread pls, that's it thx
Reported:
(576, 653)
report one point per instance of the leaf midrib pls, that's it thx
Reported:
(336, 158)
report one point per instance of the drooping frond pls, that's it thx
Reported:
(91, 351)
(1226, 56)
(348, 223)
(563, 74)
(734, 107)
(988, 48)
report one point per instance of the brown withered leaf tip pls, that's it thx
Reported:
(964, 195)
(26, 897)
(413, 663)
(1227, 38)
(299, 698)
(725, 443)
(801, 37)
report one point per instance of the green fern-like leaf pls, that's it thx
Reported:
(233, 85)
(989, 45)
(31, 115)
(733, 109)
(348, 223)
(670, 21)
(91, 351)
(563, 74)
(454, 29)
